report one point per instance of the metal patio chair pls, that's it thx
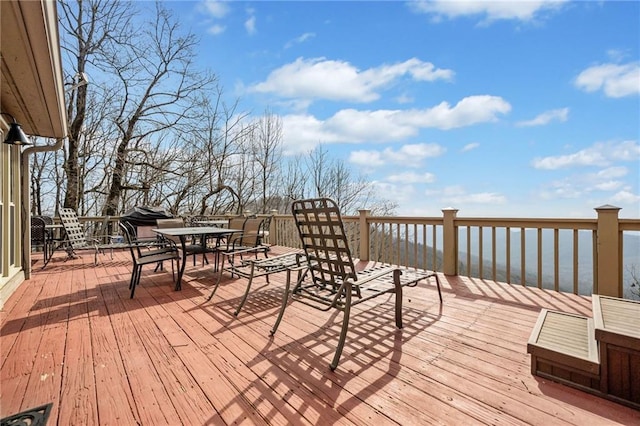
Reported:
(255, 268)
(40, 237)
(248, 242)
(334, 281)
(142, 257)
(76, 238)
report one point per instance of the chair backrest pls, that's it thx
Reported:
(193, 220)
(250, 236)
(128, 230)
(176, 222)
(265, 227)
(324, 241)
(38, 233)
(72, 227)
(48, 220)
(237, 222)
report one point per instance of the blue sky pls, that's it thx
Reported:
(522, 108)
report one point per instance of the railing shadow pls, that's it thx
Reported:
(524, 297)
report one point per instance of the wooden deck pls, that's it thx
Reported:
(72, 336)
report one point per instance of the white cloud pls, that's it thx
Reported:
(470, 146)
(250, 22)
(600, 154)
(547, 117)
(402, 194)
(575, 186)
(490, 10)
(367, 158)
(299, 40)
(615, 80)
(250, 25)
(610, 173)
(626, 197)
(563, 189)
(470, 110)
(370, 126)
(213, 8)
(411, 155)
(458, 196)
(610, 185)
(216, 29)
(319, 78)
(302, 131)
(404, 99)
(411, 177)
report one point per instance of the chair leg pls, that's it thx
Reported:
(398, 292)
(285, 300)
(217, 282)
(345, 326)
(246, 292)
(135, 278)
(438, 285)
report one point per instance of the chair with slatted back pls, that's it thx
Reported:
(39, 237)
(335, 283)
(76, 238)
(141, 257)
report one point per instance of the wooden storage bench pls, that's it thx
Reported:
(563, 349)
(617, 330)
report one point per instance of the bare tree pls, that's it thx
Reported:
(39, 170)
(91, 26)
(159, 86)
(220, 153)
(267, 154)
(331, 178)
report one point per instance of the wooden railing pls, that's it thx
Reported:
(581, 256)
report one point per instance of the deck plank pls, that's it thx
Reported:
(167, 357)
(78, 399)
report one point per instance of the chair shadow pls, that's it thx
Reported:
(109, 296)
(374, 348)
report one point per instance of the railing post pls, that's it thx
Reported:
(272, 226)
(609, 281)
(364, 235)
(450, 242)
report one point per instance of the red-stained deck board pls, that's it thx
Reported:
(116, 404)
(78, 399)
(149, 393)
(257, 342)
(384, 403)
(211, 381)
(46, 375)
(367, 379)
(234, 369)
(167, 357)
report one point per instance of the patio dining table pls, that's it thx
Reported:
(182, 233)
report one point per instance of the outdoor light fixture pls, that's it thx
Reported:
(15, 136)
(80, 79)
